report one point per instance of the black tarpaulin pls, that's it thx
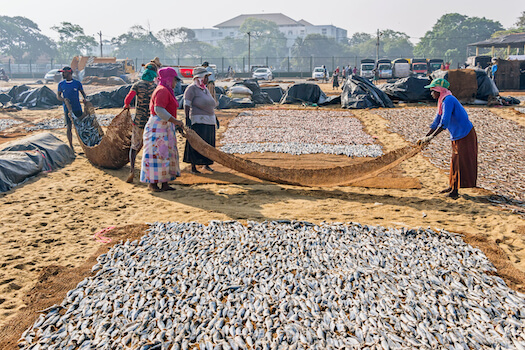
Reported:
(226, 102)
(110, 99)
(410, 89)
(258, 96)
(25, 97)
(306, 93)
(274, 92)
(360, 93)
(56, 153)
(29, 156)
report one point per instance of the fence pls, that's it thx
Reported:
(28, 68)
(286, 66)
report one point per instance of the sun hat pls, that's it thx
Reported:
(66, 69)
(438, 82)
(200, 72)
(156, 61)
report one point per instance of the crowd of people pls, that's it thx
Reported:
(155, 123)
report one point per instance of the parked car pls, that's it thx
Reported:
(53, 76)
(262, 73)
(318, 73)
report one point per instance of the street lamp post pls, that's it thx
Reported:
(249, 42)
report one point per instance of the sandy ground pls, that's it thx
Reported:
(47, 224)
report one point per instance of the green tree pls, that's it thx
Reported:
(314, 47)
(21, 38)
(73, 41)
(454, 32)
(138, 43)
(172, 36)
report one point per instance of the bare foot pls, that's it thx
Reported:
(454, 194)
(194, 171)
(130, 178)
(446, 190)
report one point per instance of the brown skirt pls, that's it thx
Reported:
(464, 162)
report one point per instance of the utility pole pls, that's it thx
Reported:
(377, 46)
(249, 42)
(100, 36)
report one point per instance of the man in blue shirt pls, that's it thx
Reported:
(453, 117)
(68, 89)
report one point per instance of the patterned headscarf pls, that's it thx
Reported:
(166, 76)
(443, 92)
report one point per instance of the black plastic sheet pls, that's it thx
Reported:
(306, 93)
(258, 96)
(16, 167)
(229, 103)
(56, 153)
(110, 99)
(29, 156)
(410, 89)
(360, 93)
(274, 92)
(25, 97)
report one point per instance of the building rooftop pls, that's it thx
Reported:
(278, 18)
(512, 40)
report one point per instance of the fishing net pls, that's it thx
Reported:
(107, 150)
(335, 176)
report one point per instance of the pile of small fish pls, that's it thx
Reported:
(286, 285)
(299, 132)
(87, 131)
(59, 123)
(297, 148)
(501, 163)
(7, 123)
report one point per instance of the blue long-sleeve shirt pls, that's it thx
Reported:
(454, 119)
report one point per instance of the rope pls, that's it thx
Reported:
(99, 235)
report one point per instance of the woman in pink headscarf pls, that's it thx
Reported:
(453, 117)
(160, 160)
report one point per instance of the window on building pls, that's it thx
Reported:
(220, 33)
(302, 32)
(290, 32)
(213, 34)
(323, 31)
(232, 33)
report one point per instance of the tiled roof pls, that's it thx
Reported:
(278, 18)
(514, 40)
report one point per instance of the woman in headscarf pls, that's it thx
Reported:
(142, 91)
(453, 117)
(160, 160)
(199, 107)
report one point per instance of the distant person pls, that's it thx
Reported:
(453, 117)
(142, 91)
(354, 72)
(68, 90)
(494, 69)
(447, 66)
(211, 79)
(335, 80)
(325, 74)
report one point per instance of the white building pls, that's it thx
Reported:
(291, 29)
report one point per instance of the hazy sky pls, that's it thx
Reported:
(116, 17)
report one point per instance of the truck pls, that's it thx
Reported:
(400, 68)
(434, 64)
(419, 66)
(368, 66)
(79, 63)
(384, 68)
(482, 61)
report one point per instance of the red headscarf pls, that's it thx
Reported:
(443, 92)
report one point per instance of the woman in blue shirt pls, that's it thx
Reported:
(453, 117)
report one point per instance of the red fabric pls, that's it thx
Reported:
(162, 97)
(129, 97)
